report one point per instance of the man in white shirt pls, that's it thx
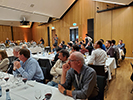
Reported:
(98, 56)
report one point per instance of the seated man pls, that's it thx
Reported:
(121, 45)
(56, 70)
(98, 56)
(81, 76)
(109, 49)
(27, 67)
(15, 53)
(83, 49)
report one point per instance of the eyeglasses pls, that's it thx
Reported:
(72, 60)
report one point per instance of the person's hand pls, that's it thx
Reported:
(16, 65)
(61, 88)
(66, 67)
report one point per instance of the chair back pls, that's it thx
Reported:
(131, 77)
(99, 69)
(46, 67)
(131, 65)
(100, 84)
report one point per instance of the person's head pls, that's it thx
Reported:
(83, 41)
(16, 50)
(102, 40)
(7, 39)
(113, 42)
(120, 41)
(108, 44)
(63, 42)
(75, 48)
(98, 44)
(83, 46)
(69, 45)
(24, 46)
(76, 61)
(86, 35)
(61, 45)
(54, 45)
(3, 54)
(80, 43)
(58, 49)
(63, 55)
(24, 54)
(55, 35)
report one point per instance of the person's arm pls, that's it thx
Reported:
(65, 68)
(3, 63)
(92, 58)
(29, 73)
(62, 89)
(53, 71)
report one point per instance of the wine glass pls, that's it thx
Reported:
(48, 93)
(6, 78)
(25, 80)
(37, 94)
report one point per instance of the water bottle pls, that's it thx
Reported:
(7, 95)
(0, 91)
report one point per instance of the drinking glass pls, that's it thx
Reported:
(37, 94)
(24, 80)
(48, 93)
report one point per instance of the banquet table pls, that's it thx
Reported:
(45, 56)
(110, 64)
(27, 91)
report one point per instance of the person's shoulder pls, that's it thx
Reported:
(89, 70)
(6, 59)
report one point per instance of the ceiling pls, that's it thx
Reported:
(13, 11)
(119, 2)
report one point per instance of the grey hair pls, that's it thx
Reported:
(24, 46)
(16, 48)
(79, 56)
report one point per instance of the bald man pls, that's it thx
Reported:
(81, 76)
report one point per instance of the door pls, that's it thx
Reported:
(73, 34)
(53, 35)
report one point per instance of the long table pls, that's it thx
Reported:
(27, 91)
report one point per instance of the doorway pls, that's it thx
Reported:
(53, 35)
(73, 34)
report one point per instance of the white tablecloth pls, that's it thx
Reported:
(20, 93)
(110, 64)
(41, 56)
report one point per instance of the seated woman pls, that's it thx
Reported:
(83, 49)
(4, 61)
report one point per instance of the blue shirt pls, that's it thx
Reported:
(121, 46)
(103, 47)
(30, 69)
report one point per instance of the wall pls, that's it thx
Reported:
(115, 24)
(18, 33)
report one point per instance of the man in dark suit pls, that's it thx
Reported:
(109, 49)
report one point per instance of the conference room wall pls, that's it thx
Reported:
(115, 24)
(18, 33)
(5, 31)
(79, 13)
(22, 33)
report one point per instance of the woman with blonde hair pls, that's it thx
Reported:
(4, 61)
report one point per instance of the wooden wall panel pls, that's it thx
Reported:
(79, 14)
(5, 32)
(123, 27)
(22, 34)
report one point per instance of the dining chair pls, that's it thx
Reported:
(100, 70)
(131, 77)
(46, 67)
